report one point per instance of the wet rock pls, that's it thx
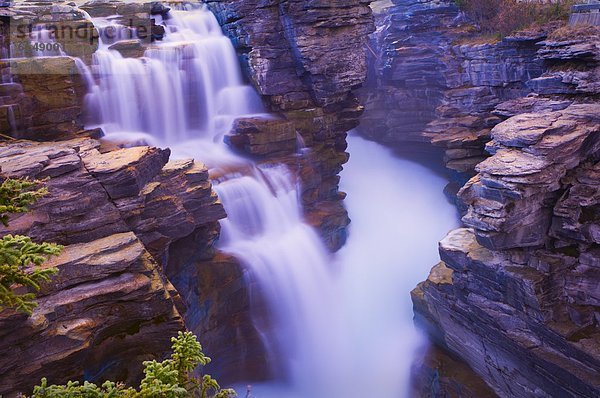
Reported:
(135, 16)
(67, 25)
(261, 137)
(129, 48)
(305, 59)
(46, 98)
(225, 314)
(286, 56)
(439, 374)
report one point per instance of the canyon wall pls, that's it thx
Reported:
(305, 59)
(117, 211)
(521, 283)
(434, 80)
(515, 295)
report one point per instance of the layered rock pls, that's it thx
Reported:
(304, 59)
(118, 212)
(107, 310)
(487, 75)
(43, 100)
(505, 314)
(519, 300)
(410, 52)
(435, 81)
(515, 293)
(438, 374)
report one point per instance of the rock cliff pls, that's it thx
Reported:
(434, 80)
(118, 212)
(515, 295)
(305, 58)
(43, 99)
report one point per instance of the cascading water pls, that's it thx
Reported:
(185, 93)
(341, 325)
(187, 87)
(367, 339)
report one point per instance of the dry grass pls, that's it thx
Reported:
(484, 38)
(575, 32)
(504, 17)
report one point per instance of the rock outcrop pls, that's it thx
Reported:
(519, 300)
(43, 99)
(434, 81)
(304, 59)
(118, 212)
(107, 310)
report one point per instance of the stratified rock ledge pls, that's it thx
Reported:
(517, 296)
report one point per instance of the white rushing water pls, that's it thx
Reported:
(399, 213)
(187, 87)
(185, 93)
(340, 324)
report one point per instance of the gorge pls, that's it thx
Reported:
(204, 166)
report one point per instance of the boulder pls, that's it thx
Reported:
(261, 137)
(104, 313)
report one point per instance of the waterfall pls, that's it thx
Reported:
(340, 325)
(185, 93)
(187, 87)
(12, 120)
(366, 337)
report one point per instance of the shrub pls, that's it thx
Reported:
(172, 378)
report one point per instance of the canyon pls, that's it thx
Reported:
(512, 308)
(517, 120)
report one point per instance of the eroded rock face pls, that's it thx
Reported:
(434, 83)
(43, 99)
(511, 317)
(406, 76)
(300, 54)
(523, 282)
(107, 310)
(304, 59)
(516, 294)
(118, 212)
(511, 200)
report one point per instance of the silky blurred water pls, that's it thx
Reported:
(339, 324)
(399, 213)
